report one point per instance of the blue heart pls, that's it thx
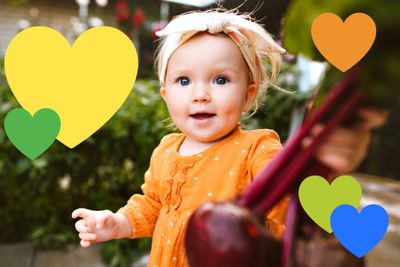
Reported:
(359, 232)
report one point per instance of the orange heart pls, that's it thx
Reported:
(343, 44)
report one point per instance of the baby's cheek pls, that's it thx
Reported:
(178, 114)
(172, 105)
(233, 107)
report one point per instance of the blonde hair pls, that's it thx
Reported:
(256, 44)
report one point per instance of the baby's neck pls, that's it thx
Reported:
(191, 147)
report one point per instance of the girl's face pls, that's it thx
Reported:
(207, 87)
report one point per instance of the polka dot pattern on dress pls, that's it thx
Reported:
(229, 161)
(134, 203)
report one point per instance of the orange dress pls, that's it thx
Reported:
(176, 185)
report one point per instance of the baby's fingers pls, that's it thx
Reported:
(81, 227)
(91, 223)
(81, 212)
(85, 243)
(87, 236)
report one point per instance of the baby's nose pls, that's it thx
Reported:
(201, 94)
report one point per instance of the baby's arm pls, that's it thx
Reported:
(136, 219)
(99, 226)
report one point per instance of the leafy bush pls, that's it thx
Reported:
(38, 196)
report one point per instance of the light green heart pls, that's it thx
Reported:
(318, 198)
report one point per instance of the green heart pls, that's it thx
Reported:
(32, 135)
(319, 199)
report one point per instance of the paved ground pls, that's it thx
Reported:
(73, 257)
(23, 255)
(18, 255)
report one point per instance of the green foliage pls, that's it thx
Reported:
(301, 14)
(16, 2)
(380, 66)
(276, 106)
(38, 196)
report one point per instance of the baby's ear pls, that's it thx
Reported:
(251, 95)
(163, 90)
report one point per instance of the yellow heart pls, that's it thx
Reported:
(343, 44)
(85, 83)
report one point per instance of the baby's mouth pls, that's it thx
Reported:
(202, 116)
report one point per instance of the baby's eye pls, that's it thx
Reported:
(221, 80)
(184, 81)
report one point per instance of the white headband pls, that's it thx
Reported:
(252, 40)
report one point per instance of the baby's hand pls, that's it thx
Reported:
(95, 226)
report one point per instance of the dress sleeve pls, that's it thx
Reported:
(267, 146)
(142, 210)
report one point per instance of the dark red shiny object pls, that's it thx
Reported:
(223, 234)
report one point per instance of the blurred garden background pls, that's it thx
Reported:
(38, 196)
